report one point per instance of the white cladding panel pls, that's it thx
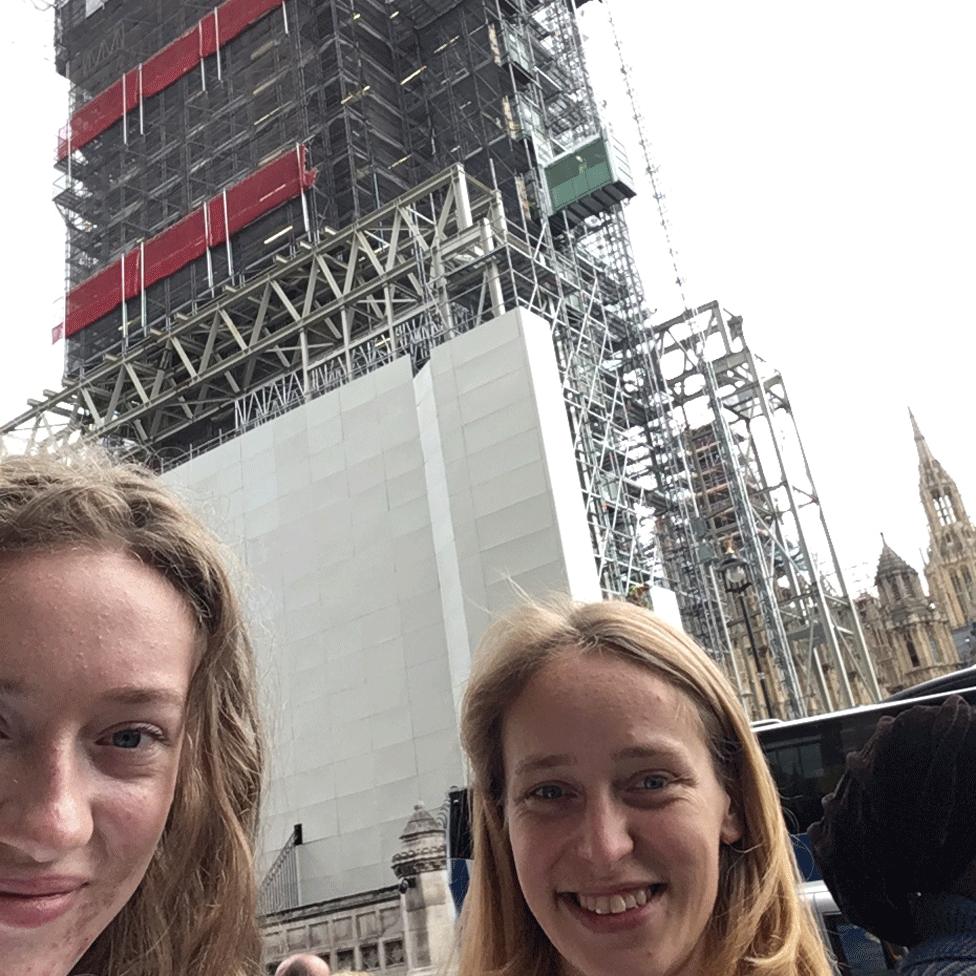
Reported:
(380, 526)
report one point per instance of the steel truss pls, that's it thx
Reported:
(438, 261)
(756, 496)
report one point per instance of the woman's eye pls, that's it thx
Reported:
(548, 792)
(133, 738)
(127, 738)
(652, 782)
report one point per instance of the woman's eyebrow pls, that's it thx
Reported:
(136, 695)
(660, 750)
(123, 695)
(666, 750)
(532, 763)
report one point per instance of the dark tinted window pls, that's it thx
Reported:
(806, 758)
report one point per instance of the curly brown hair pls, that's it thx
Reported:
(194, 911)
(901, 818)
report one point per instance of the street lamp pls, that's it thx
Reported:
(736, 581)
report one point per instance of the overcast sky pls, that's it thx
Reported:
(821, 175)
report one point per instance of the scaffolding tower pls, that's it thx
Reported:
(267, 198)
(757, 501)
(738, 490)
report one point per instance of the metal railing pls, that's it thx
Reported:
(279, 889)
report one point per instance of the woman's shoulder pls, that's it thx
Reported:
(947, 955)
(939, 967)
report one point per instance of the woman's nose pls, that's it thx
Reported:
(605, 832)
(45, 804)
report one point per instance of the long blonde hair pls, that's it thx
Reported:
(194, 911)
(759, 926)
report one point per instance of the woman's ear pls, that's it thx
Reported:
(732, 826)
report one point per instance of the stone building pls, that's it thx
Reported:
(913, 635)
(405, 929)
(951, 564)
(908, 632)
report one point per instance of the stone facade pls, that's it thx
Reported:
(403, 930)
(364, 931)
(428, 909)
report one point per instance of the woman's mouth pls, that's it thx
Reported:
(618, 903)
(613, 912)
(28, 909)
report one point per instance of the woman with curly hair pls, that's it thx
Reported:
(130, 758)
(897, 842)
(625, 822)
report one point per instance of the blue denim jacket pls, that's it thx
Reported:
(948, 946)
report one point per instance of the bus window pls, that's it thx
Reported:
(807, 756)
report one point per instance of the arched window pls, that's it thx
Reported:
(943, 508)
(912, 652)
(962, 592)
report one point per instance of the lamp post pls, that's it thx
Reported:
(736, 581)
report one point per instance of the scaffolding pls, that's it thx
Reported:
(307, 73)
(438, 261)
(735, 483)
(757, 498)
(380, 96)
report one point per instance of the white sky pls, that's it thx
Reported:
(820, 169)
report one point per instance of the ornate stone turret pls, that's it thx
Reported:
(428, 909)
(916, 628)
(951, 567)
(424, 846)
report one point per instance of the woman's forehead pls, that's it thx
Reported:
(89, 620)
(580, 695)
(603, 671)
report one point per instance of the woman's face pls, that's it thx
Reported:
(615, 816)
(96, 656)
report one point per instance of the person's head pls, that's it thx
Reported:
(625, 822)
(303, 964)
(901, 819)
(130, 760)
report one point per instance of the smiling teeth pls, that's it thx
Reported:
(615, 904)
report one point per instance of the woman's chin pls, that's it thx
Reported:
(39, 957)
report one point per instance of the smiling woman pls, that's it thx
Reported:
(130, 760)
(625, 822)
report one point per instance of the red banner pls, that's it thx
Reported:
(177, 59)
(164, 255)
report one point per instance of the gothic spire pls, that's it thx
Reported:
(925, 456)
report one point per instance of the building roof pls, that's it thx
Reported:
(421, 824)
(891, 564)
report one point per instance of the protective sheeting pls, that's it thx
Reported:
(210, 225)
(177, 59)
